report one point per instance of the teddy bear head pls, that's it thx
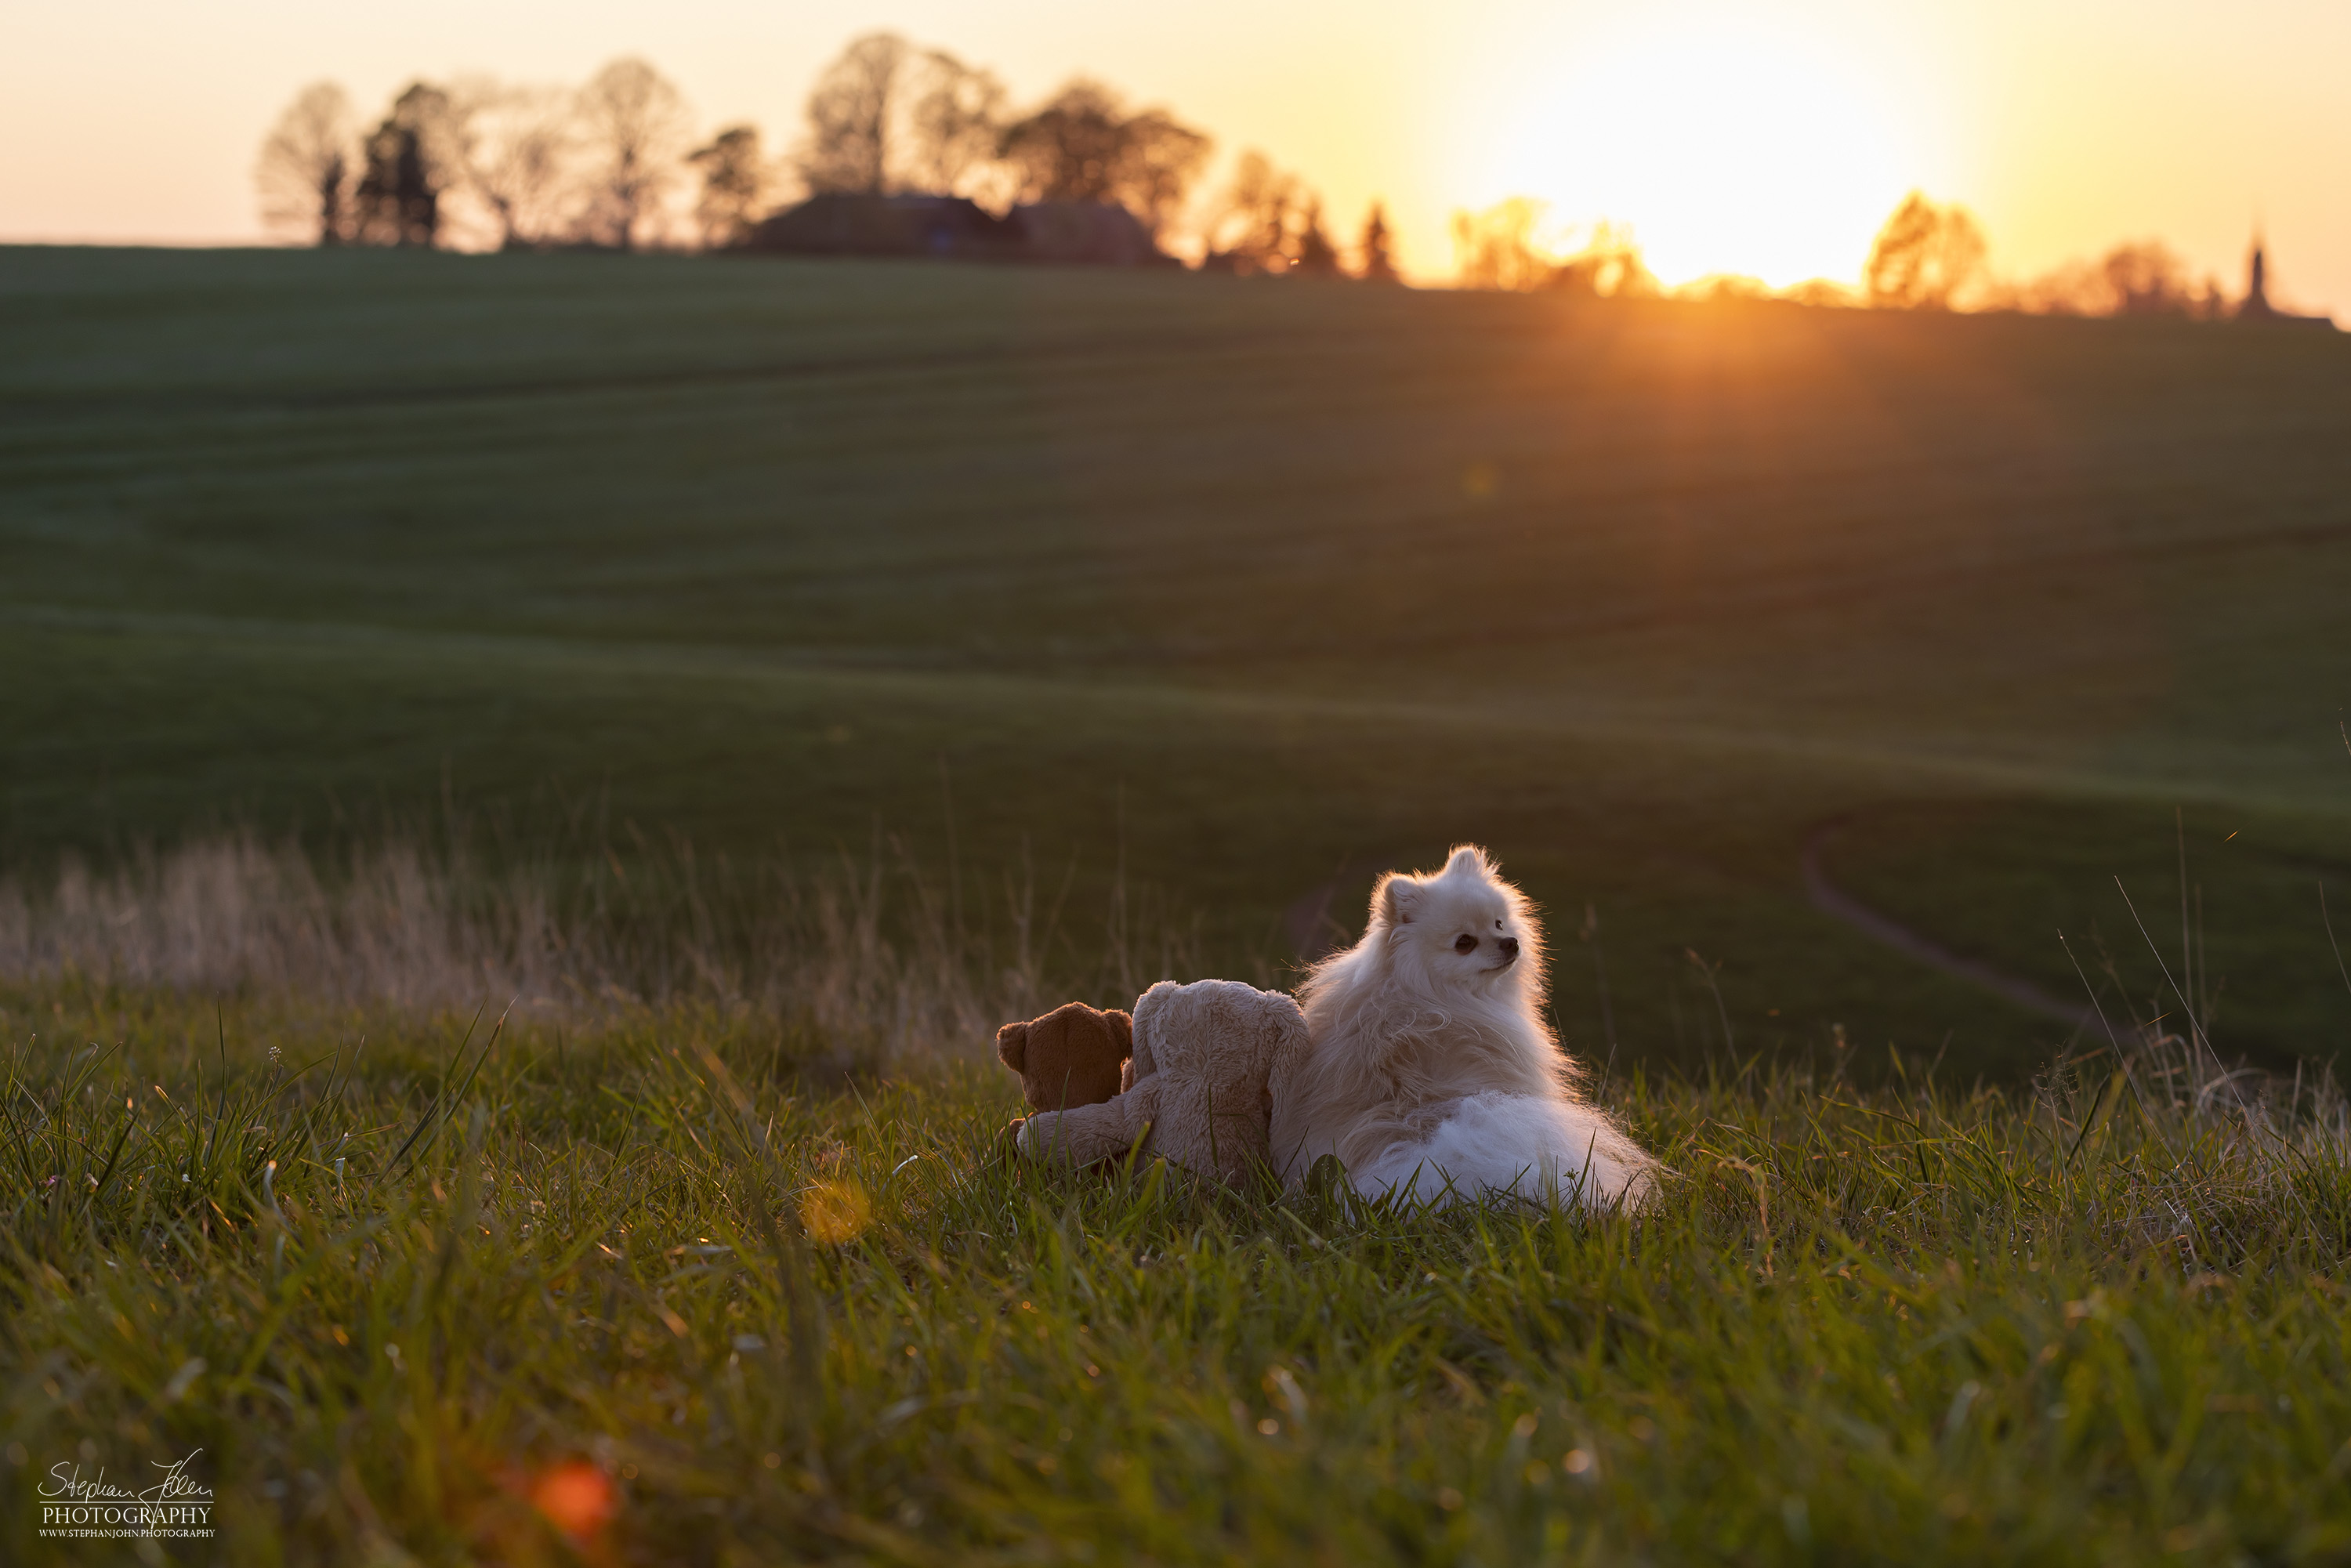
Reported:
(1072, 1056)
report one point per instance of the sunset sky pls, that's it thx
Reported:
(1767, 138)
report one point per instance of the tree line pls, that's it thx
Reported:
(613, 164)
(1927, 257)
(1934, 257)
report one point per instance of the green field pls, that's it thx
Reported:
(776, 674)
(1231, 590)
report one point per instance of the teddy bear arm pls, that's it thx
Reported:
(1080, 1136)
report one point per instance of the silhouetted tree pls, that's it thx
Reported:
(519, 151)
(1267, 221)
(1083, 146)
(954, 118)
(1496, 249)
(887, 116)
(1313, 254)
(633, 130)
(1500, 248)
(411, 158)
(305, 168)
(1257, 216)
(2147, 278)
(849, 114)
(1610, 266)
(734, 183)
(1374, 253)
(1924, 258)
(2141, 278)
(1822, 294)
(392, 184)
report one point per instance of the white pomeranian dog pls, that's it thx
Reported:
(1431, 1070)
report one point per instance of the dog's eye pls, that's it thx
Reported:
(1466, 943)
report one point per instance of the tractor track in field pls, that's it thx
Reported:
(1834, 901)
(1315, 932)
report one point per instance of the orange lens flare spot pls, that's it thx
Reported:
(577, 1498)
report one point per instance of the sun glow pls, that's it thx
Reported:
(1727, 149)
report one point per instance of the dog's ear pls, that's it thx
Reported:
(1468, 859)
(1121, 1029)
(1012, 1046)
(1395, 899)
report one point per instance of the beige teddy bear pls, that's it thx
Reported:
(1209, 1058)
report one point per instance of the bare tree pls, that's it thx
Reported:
(850, 116)
(2144, 277)
(735, 180)
(1375, 252)
(1252, 229)
(1502, 248)
(1267, 221)
(887, 116)
(305, 168)
(1083, 146)
(1925, 257)
(955, 116)
(518, 150)
(632, 132)
(2147, 278)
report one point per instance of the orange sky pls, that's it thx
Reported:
(1763, 138)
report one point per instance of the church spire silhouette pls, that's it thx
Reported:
(2257, 288)
(2257, 306)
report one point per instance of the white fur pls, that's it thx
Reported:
(1425, 1059)
(1522, 1144)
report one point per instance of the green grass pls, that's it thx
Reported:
(673, 1259)
(1226, 588)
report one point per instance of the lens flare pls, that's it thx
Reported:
(577, 1498)
(835, 1211)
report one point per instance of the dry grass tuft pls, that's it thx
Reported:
(874, 953)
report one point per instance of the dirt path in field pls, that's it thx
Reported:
(1314, 928)
(1829, 899)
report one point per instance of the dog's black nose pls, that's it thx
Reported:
(1509, 947)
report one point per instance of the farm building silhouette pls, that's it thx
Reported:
(955, 228)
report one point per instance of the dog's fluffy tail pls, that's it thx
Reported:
(1519, 1143)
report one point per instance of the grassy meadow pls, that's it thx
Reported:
(1236, 591)
(670, 1290)
(756, 679)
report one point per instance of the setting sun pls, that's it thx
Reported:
(1725, 150)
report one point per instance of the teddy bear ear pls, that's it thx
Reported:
(1121, 1025)
(1012, 1046)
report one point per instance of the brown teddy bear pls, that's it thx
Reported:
(1074, 1055)
(1209, 1060)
